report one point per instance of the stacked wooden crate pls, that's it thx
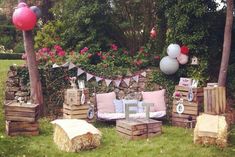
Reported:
(72, 107)
(191, 108)
(135, 129)
(21, 118)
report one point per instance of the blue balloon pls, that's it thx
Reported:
(37, 11)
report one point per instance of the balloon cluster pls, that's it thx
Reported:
(25, 18)
(176, 55)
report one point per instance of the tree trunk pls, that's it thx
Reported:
(227, 44)
(35, 83)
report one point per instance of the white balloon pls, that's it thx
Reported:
(173, 50)
(182, 58)
(169, 65)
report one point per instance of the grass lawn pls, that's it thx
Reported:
(174, 142)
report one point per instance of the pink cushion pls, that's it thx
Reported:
(156, 97)
(105, 102)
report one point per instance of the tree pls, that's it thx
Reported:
(227, 44)
(35, 83)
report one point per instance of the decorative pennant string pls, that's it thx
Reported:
(66, 64)
(117, 82)
(80, 72)
(55, 66)
(71, 65)
(136, 78)
(89, 76)
(108, 81)
(98, 79)
(143, 74)
(127, 81)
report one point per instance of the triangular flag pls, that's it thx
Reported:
(65, 64)
(98, 79)
(107, 81)
(55, 66)
(79, 72)
(117, 82)
(127, 81)
(136, 78)
(89, 76)
(71, 65)
(144, 74)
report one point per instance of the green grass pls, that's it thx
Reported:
(174, 142)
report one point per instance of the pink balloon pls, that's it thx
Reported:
(24, 18)
(182, 58)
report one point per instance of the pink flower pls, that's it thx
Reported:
(125, 52)
(114, 47)
(24, 56)
(89, 55)
(157, 57)
(61, 53)
(85, 49)
(141, 49)
(99, 53)
(104, 57)
(58, 48)
(51, 53)
(138, 62)
(45, 49)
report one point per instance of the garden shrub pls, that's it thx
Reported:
(9, 56)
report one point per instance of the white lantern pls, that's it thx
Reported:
(81, 84)
(173, 50)
(182, 58)
(169, 65)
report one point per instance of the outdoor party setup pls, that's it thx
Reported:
(138, 113)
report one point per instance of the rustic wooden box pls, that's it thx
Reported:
(75, 111)
(190, 108)
(182, 120)
(14, 128)
(73, 96)
(197, 92)
(138, 129)
(15, 111)
(214, 100)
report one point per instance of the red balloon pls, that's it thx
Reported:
(153, 33)
(184, 50)
(24, 18)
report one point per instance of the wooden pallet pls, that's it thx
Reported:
(73, 96)
(197, 92)
(190, 108)
(214, 100)
(181, 120)
(138, 129)
(15, 111)
(14, 128)
(75, 111)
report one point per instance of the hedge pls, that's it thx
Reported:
(15, 56)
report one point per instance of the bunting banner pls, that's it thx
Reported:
(80, 72)
(55, 66)
(136, 78)
(65, 64)
(98, 79)
(127, 81)
(108, 81)
(71, 65)
(143, 74)
(117, 82)
(89, 76)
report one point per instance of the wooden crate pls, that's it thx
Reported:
(190, 108)
(181, 120)
(214, 100)
(14, 128)
(15, 111)
(138, 129)
(75, 111)
(197, 92)
(73, 96)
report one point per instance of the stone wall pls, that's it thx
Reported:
(15, 88)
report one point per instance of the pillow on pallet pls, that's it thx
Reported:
(105, 102)
(119, 108)
(157, 98)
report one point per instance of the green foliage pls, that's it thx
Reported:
(231, 80)
(85, 23)
(19, 47)
(49, 35)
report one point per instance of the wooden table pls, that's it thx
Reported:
(134, 129)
